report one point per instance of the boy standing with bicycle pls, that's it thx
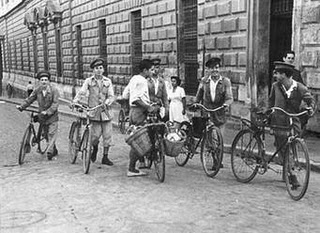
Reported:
(48, 101)
(215, 91)
(100, 91)
(288, 94)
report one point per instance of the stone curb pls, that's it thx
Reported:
(227, 147)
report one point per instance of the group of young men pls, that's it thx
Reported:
(149, 87)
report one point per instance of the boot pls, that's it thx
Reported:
(94, 153)
(105, 159)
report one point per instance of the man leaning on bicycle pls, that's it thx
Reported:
(288, 94)
(48, 101)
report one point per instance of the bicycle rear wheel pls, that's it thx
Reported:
(122, 121)
(186, 150)
(297, 169)
(159, 160)
(86, 150)
(245, 153)
(212, 151)
(25, 146)
(42, 138)
(74, 141)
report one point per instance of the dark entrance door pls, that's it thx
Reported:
(280, 30)
(190, 45)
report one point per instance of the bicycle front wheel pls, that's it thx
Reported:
(74, 141)
(297, 169)
(186, 150)
(86, 150)
(246, 151)
(159, 160)
(212, 151)
(25, 146)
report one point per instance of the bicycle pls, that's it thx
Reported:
(123, 117)
(81, 143)
(201, 131)
(248, 153)
(32, 137)
(153, 146)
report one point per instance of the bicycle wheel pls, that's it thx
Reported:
(74, 141)
(212, 151)
(42, 138)
(86, 150)
(297, 169)
(186, 150)
(246, 151)
(122, 121)
(25, 146)
(159, 160)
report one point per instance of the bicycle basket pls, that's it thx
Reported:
(173, 148)
(198, 125)
(140, 141)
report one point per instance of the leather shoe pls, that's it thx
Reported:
(106, 161)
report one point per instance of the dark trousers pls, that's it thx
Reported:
(137, 116)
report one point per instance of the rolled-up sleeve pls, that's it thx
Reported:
(82, 92)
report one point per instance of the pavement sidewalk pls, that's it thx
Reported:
(232, 129)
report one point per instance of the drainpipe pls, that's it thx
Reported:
(1, 66)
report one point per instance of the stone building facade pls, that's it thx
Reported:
(65, 36)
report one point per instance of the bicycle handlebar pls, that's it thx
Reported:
(30, 110)
(86, 108)
(289, 114)
(197, 105)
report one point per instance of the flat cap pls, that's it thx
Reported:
(213, 62)
(156, 61)
(43, 73)
(283, 65)
(97, 62)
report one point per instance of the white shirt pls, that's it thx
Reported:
(138, 89)
(156, 84)
(291, 88)
(213, 86)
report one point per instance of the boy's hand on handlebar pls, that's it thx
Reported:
(19, 108)
(310, 111)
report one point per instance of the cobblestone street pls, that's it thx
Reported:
(55, 196)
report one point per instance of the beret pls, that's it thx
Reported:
(213, 61)
(156, 61)
(283, 65)
(97, 62)
(43, 73)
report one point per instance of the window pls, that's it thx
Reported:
(79, 50)
(136, 43)
(103, 42)
(58, 53)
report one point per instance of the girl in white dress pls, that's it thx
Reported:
(177, 100)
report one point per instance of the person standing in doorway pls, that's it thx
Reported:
(100, 91)
(289, 57)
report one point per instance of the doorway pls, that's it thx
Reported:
(280, 31)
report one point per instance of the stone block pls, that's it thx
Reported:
(167, 19)
(171, 33)
(201, 14)
(243, 23)
(201, 29)
(157, 47)
(216, 27)
(239, 41)
(230, 25)
(162, 7)
(311, 35)
(223, 8)
(238, 6)
(309, 58)
(153, 35)
(148, 23)
(210, 11)
(223, 42)
(242, 59)
(153, 9)
(171, 5)
(157, 22)
(230, 59)
(311, 15)
(162, 34)
(210, 43)
(313, 79)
